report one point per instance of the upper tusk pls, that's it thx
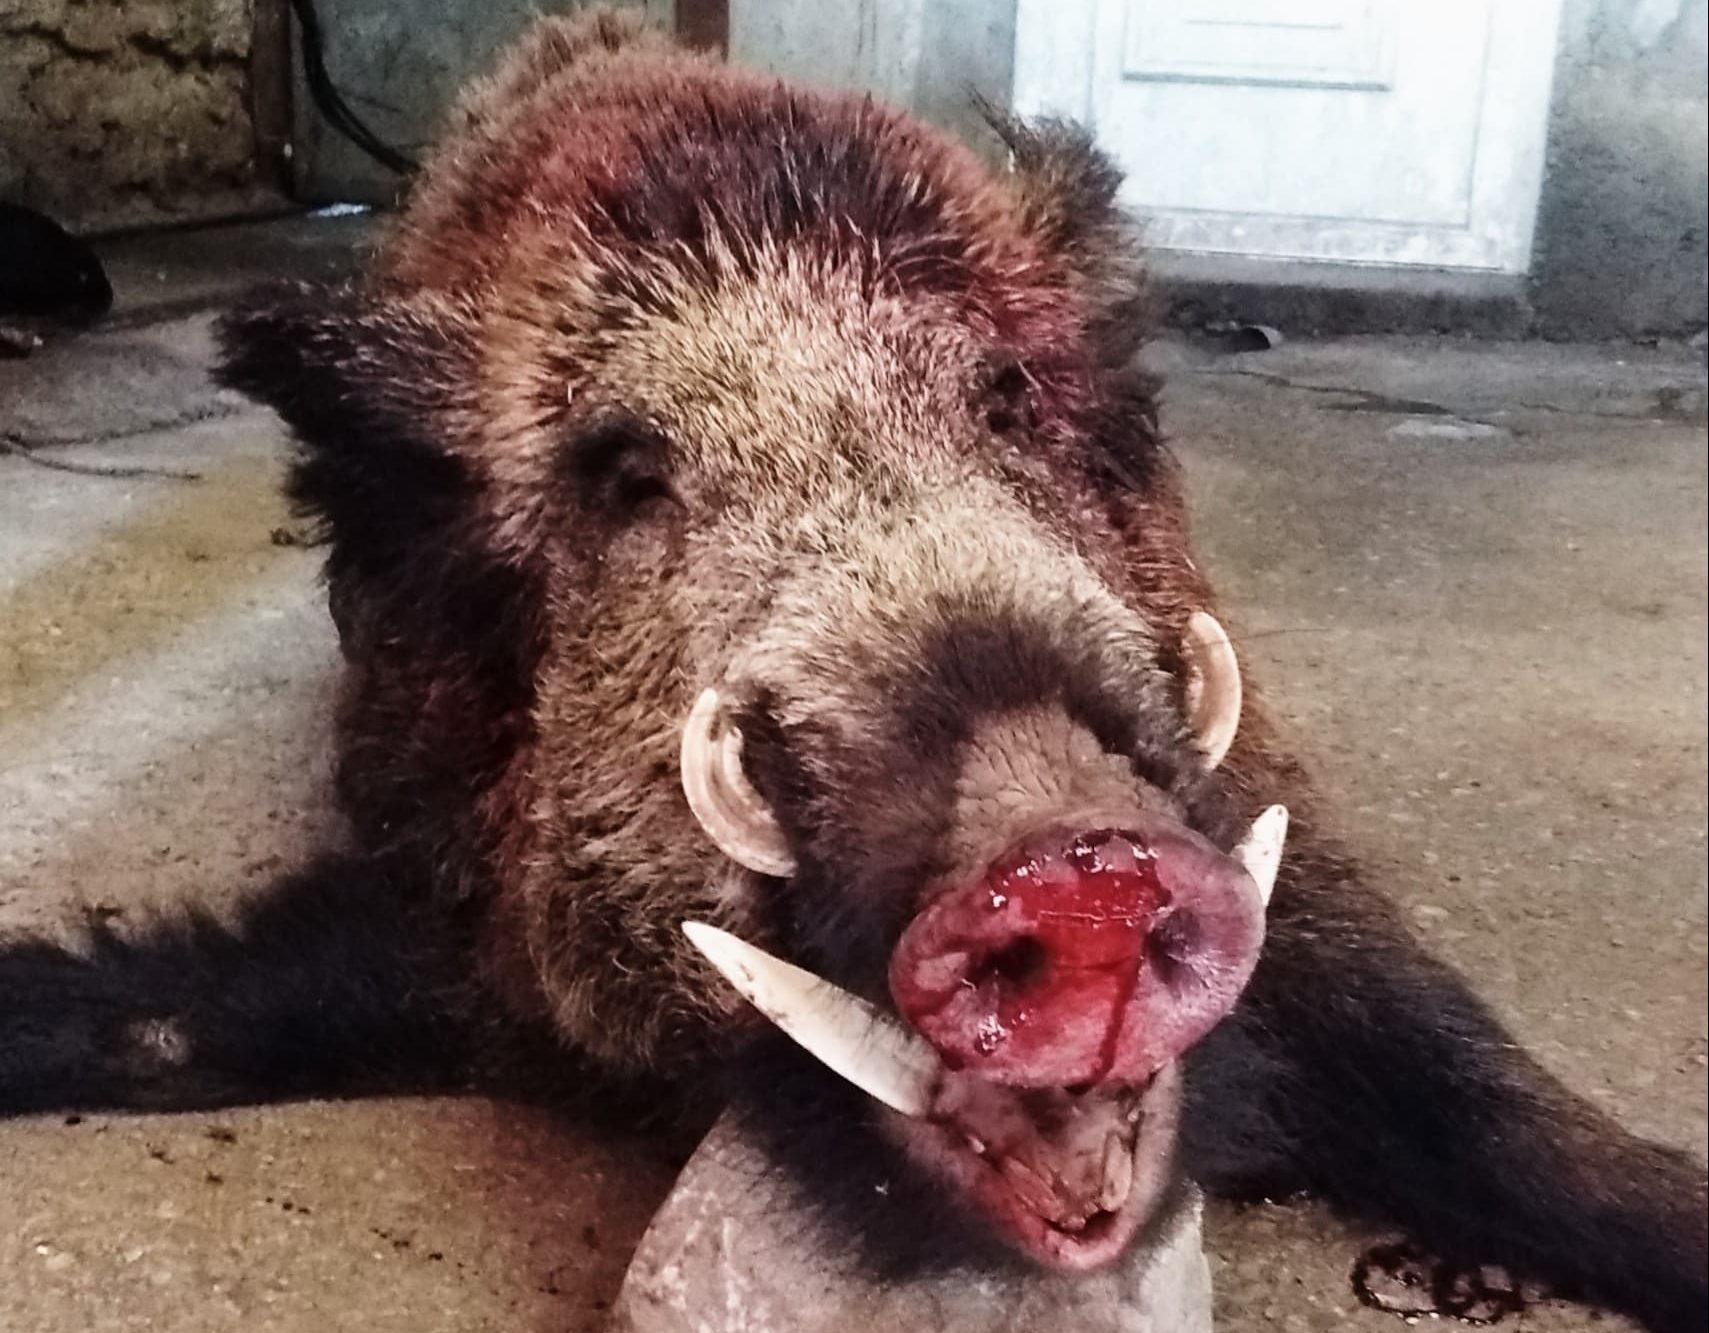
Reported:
(734, 815)
(1213, 686)
(857, 1040)
(1260, 851)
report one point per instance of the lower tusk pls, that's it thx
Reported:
(854, 1039)
(1260, 851)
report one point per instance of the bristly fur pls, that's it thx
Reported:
(671, 376)
(312, 990)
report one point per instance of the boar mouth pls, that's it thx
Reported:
(1066, 1175)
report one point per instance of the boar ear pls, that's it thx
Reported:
(374, 386)
(344, 366)
(368, 384)
(1067, 190)
(1213, 686)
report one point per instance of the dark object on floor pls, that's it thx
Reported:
(1400, 1278)
(45, 271)
(1235, 336)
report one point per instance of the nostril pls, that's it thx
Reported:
(1172, 945)
(1014, 967)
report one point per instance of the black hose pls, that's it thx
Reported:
(330, 101)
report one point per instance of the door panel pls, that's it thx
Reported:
(1381, 131)
(1328, 43)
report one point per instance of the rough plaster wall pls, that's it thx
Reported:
(1623, 218)
(122, 111)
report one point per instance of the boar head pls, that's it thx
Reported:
(745, 514)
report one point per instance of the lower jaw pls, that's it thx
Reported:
(941, 1149)
(1103, 1240)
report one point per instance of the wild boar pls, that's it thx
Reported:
(745, 513)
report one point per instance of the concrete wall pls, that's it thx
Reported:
(116, 112)
(1621, 232)
(932, 56)
(401, 75)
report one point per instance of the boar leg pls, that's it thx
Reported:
(1392, 1090)
(332, 982)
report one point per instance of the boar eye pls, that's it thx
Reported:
(620, 469)
(1005, 394)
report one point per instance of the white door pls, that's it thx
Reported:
(1369, 131)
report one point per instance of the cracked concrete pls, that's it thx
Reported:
(152, 378)
(1493, 648)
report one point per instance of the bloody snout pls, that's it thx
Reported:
(1082, 957)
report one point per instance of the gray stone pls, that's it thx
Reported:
(732, 1252)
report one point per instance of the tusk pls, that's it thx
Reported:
(1260, 851)
(1213, 686)
(855, 1039)
(734, 815)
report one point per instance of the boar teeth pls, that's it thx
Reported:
(1260, 851)
(734, 815)
(852, 1038)
(1117, 1174)
(1032, 1189)
(1213, 686)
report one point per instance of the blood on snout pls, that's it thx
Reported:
(1081, 958)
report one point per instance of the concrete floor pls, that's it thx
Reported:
(1472, 577)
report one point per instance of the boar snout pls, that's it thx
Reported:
(1082, 957)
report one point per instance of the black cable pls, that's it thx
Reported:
(330, 101)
